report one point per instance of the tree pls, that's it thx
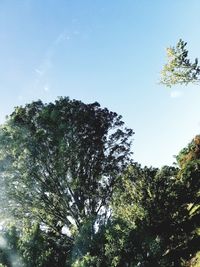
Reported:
(156, 213)
(60, 162)
(37, 248)
(179, 69)
(131, 237)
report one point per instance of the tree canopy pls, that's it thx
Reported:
(179, 69)
(76, 198)
(60, 162)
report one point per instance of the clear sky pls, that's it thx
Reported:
(110, 51)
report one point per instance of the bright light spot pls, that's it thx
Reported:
(46, 88)
(66, 231)
(176, 94)
(3, 243)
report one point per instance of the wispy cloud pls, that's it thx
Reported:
(46, 63)
(176, 94)
(63, 36)
(41, 71)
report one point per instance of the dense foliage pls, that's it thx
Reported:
(71, 196)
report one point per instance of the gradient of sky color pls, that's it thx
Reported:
(110, 51)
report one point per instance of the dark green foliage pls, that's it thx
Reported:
(77, 200)
(60, 162)
(156, 217)
(32, 247)
(42, 249)
(131, 232)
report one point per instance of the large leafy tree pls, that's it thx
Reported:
(60, 162)
(156, 213)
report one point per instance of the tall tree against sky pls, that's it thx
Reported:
(60, 162)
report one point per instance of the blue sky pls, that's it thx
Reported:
(110, 51)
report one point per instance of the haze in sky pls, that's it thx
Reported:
(110, 51)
